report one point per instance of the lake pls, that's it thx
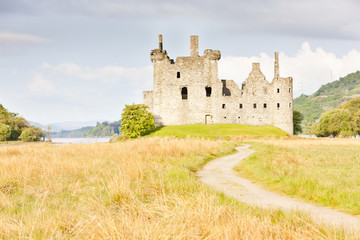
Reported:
(80, 140)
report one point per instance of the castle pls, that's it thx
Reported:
(188, 91)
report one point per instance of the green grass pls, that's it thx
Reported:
(321, 171)
(214, 131)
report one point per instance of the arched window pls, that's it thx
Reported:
(184, 93)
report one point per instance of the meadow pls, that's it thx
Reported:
(137, 189)
(322, 171)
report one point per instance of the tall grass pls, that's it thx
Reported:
(325, 171)
(138, 189)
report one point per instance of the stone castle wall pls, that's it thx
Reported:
(188, 91)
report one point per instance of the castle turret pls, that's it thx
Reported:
(194, 46)
(276, 66)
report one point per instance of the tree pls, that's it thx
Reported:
(5, 132)
(297, 119)
(136, 120)
(32, 134)
(48, 133)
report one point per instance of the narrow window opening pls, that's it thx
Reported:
(289, 90)
(238, 117)
(178, 75)
(254, 105)
(265, 105)
(184, 93)
(225, 117)
(278, 105)
(289, 105)
(240, 105)
(225, 90)
(208, 91)
(223, 106)
(278, 90)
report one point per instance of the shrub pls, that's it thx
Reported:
(136, 120)
(32, 134)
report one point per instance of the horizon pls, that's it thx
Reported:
(74, 61)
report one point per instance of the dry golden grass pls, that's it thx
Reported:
(325, 171)
(138, 189)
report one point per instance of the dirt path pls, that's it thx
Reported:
(220, 175)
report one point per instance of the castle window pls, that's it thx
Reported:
(208, 91)
(225, 117)
(225, 90)
(178, 75)
(265, 105)
(289, 90)
(240, 105)
(238, 117)
(254, 105)
(278, 106)
(278, 90)
(184, 93)
(223, 106)
(289, 105)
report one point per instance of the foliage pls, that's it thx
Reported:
(16, 123)
(215, 131)
(328, 97)
(297, 119)
(343, 121)
(32, 134)
(324, 171)
(103, 129)
(5, 132)
(136, 120)
(71, 133)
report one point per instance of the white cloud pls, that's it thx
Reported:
(10, 38)
(138, 76)
(41, 85)
(309, 68)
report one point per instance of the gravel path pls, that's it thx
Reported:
(219, 174)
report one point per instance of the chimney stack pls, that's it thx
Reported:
(160, 43)
(276, 66)
(194, 46)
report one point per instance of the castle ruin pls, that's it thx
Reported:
(188, 91)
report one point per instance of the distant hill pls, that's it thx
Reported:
(60, 126)
(76, 133)
(104, 129)
(328, 97)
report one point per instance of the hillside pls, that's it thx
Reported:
(328, 97)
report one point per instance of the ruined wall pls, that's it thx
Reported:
(188, 91)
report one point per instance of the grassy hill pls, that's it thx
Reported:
(328, 97)
(214, 131)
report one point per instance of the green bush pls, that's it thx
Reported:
(136, 120)
(32, 134)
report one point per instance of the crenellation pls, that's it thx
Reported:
(210, 100)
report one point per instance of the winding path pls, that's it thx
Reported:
(219, 174)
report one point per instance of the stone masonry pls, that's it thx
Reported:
(188, 91)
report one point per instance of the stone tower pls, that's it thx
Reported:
(188, 91)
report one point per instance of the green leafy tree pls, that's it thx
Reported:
(5, 132)
(297, 119)
(136, 120)
(32, 134)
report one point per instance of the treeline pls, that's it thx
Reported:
(77, 133)
(343, 121)
(13, 127)
(104, 129)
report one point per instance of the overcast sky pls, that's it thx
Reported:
(82, 60)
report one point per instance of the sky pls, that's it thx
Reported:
(83, 60)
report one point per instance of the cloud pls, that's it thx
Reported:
(10, 38)
(306, 18)
(40, 85)
(309, 68)
(138, 76)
